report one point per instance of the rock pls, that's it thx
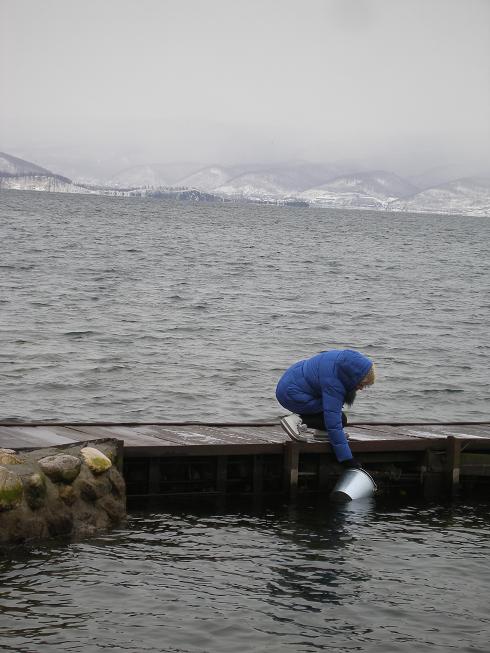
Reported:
(95, 460)
(89, 526)
(93, 489)
(35, 490)
(67, 494)
(59, 523)
(23, 529)
(117, 483)
(87, 491)
(11, 489)
(9, 457)
(109, 452)
(52, 492)
(115, 509)
(61, 468)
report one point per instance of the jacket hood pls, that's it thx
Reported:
(352, 367)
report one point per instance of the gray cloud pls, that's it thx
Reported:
(395, 82)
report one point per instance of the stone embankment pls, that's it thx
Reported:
(73, 491)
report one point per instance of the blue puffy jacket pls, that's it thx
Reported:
(320, 384)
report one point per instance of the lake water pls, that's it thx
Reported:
(360, 578)
(140, 309)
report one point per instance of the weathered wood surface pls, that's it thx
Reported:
(244, 438)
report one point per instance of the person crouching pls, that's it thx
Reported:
(315, 390)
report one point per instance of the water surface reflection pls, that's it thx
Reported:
(310, 578)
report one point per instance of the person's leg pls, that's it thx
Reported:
(293, 425)
(298, 403)
(315, 421)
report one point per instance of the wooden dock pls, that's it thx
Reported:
(177, 459)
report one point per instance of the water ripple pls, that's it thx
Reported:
(353, 578)
(216, 300)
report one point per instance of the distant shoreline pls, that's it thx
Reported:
(295, 184)
(237, 201)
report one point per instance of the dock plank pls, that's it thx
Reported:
(439, 432)
(186, 436)
(13, 437)
(128, 434)
(194, 436)
(262, 433)
(463, 431)
(358, 433)
(405, 432)
(203, 450)
(386, 432)
(430, 430)
(203, 437)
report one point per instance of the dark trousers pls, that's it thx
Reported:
(315, 421)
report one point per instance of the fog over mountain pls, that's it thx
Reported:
(284, 184)
(95, 89)
(164, 174)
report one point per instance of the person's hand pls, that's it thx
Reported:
(351, 463)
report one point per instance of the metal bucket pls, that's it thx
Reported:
(353, 484)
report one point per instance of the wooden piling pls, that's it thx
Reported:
(221, 474)
(323, 472)
(453, 464)
(258, 475)
(154, 476)
(291, 465)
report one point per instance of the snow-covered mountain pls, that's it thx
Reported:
(11, 165)
(256, 186)
(445, 174)
(56, 184)
(365, 190)
(18, 174)
(314, 184)
(155, 175)
(209, 178)
(470, 196)
(49, 183)
(278, 182)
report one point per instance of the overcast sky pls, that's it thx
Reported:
(405, 82)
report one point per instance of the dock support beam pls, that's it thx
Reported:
(323, 472)
(453, 464)
(258, 475)
(154, 476)
(221, 474)
(291, 464)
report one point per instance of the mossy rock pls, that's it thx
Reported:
(9, 457)
(61, 468)
(11, 489)
(114, 509)
(35, 490)
(67, 494)
(96, 461)
(60, 523)
(108, 451)
(93, 489)
(117, 483)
